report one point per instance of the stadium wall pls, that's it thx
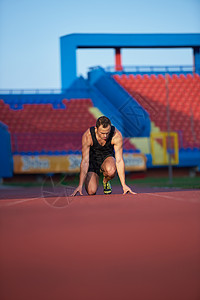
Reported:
(6, 161)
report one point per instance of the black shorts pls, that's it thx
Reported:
(95, 166)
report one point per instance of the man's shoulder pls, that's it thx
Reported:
(117, 136)
(117, 133)
(87, 133)
(87, 138)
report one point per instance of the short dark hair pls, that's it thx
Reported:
(104, 121)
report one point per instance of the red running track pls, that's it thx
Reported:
(143, 247)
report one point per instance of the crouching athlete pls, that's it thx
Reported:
(102, 151)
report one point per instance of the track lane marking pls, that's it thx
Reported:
(17, 202)
(175, 198)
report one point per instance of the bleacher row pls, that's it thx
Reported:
(41, 128)
(183, 98)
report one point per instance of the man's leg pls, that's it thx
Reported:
(109, 168)
(91, 183)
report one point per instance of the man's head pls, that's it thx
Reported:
(104, 121)
(103, 126)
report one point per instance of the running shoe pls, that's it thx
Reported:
(107, 188)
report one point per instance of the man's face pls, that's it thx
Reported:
(103, 133)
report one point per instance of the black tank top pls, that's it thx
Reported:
(99, 153)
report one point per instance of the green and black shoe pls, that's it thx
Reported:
(107, 188)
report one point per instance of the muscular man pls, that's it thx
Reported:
(102, 151)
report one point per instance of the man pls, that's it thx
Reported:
(102, 151)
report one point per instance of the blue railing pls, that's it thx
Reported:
(152, 69)
(187, 69)
(30, 91)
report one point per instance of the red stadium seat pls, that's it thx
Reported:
(47, 126)
(184, 95)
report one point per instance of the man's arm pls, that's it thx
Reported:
(86, 141)
(118, 146)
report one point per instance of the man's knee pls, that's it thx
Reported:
(91, 191)
(91, 183)
(110, 171)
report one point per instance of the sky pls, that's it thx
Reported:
(30, 32)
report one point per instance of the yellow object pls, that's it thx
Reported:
(141, 143)
(70, 163)
(95, 112)
(46, 163)
(160, 150)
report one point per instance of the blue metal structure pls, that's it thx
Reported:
(124, 112)
(6, 162)
(70, 43)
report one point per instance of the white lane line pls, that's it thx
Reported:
(18, 202)
(175, 198)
